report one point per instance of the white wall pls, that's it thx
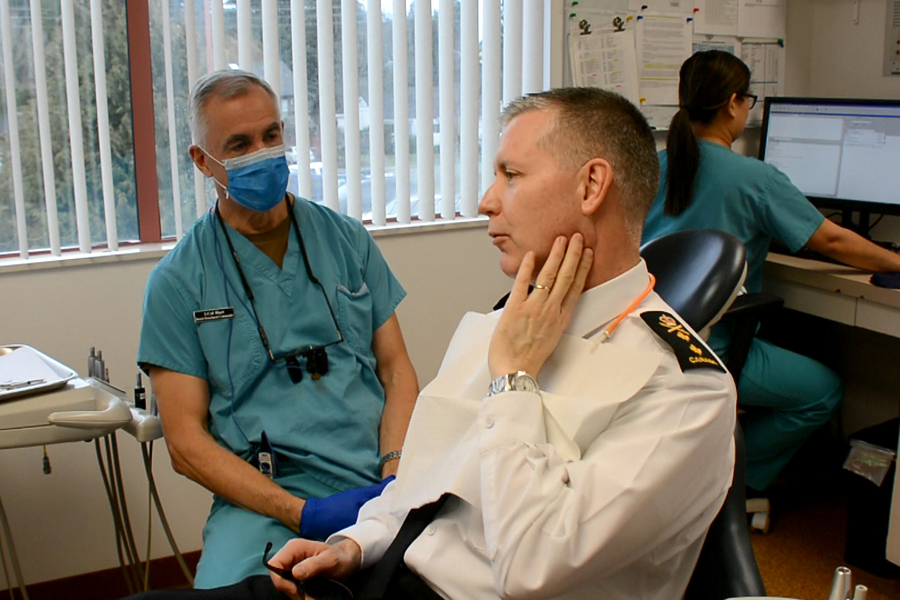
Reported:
(828, 55)
(61, 523)
(845, 59)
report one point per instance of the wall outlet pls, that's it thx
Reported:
(892, 39)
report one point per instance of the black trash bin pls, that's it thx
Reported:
(869, 508)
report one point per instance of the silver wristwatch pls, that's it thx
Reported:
(520, 381)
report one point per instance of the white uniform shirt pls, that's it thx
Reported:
(600, 486)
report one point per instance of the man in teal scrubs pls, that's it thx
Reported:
(270, 338)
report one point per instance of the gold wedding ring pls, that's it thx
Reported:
(538, 286)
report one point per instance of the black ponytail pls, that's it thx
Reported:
(683, 154)
(707, 81)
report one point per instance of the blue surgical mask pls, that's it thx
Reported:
(258, 180)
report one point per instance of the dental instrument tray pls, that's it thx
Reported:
(25, 371)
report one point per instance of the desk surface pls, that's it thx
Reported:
(839, 279)
(835, 292)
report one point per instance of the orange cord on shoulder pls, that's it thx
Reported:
(604, 335)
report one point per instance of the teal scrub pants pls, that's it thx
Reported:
(791, 396)
(233, 543)
(234, 538)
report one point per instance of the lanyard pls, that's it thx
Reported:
(606, 333)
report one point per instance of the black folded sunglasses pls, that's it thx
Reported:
(318, 588)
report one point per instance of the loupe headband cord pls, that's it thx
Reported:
(249, 291)
(309, 272)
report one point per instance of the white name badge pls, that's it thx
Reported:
(213, 314)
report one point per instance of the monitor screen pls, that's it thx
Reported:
(841, 153)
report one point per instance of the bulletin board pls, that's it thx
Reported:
(637, 47)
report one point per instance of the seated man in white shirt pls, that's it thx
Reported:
(579, 442)
(593, 464)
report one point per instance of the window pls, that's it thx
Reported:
(66, 167)
(76, 169)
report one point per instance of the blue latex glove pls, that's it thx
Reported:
(323, 516)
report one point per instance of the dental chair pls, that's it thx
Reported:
(699, 273)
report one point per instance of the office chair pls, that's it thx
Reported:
(679, 261)
(698, 273)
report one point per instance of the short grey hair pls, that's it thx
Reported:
(224, 84)
(593, 123)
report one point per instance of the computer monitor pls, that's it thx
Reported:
(841, 153)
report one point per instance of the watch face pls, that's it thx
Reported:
(525, 383)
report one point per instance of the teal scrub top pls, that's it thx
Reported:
(325, 432)
(744, 196)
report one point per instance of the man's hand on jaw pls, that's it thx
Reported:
(532, 325)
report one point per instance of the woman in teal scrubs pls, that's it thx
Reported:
(704, 184)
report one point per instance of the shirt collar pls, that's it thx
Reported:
(603, 303)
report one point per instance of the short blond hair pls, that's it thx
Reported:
(593, 123)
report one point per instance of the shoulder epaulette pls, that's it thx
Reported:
(690, 351)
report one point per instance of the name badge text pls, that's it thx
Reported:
(213, 314)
